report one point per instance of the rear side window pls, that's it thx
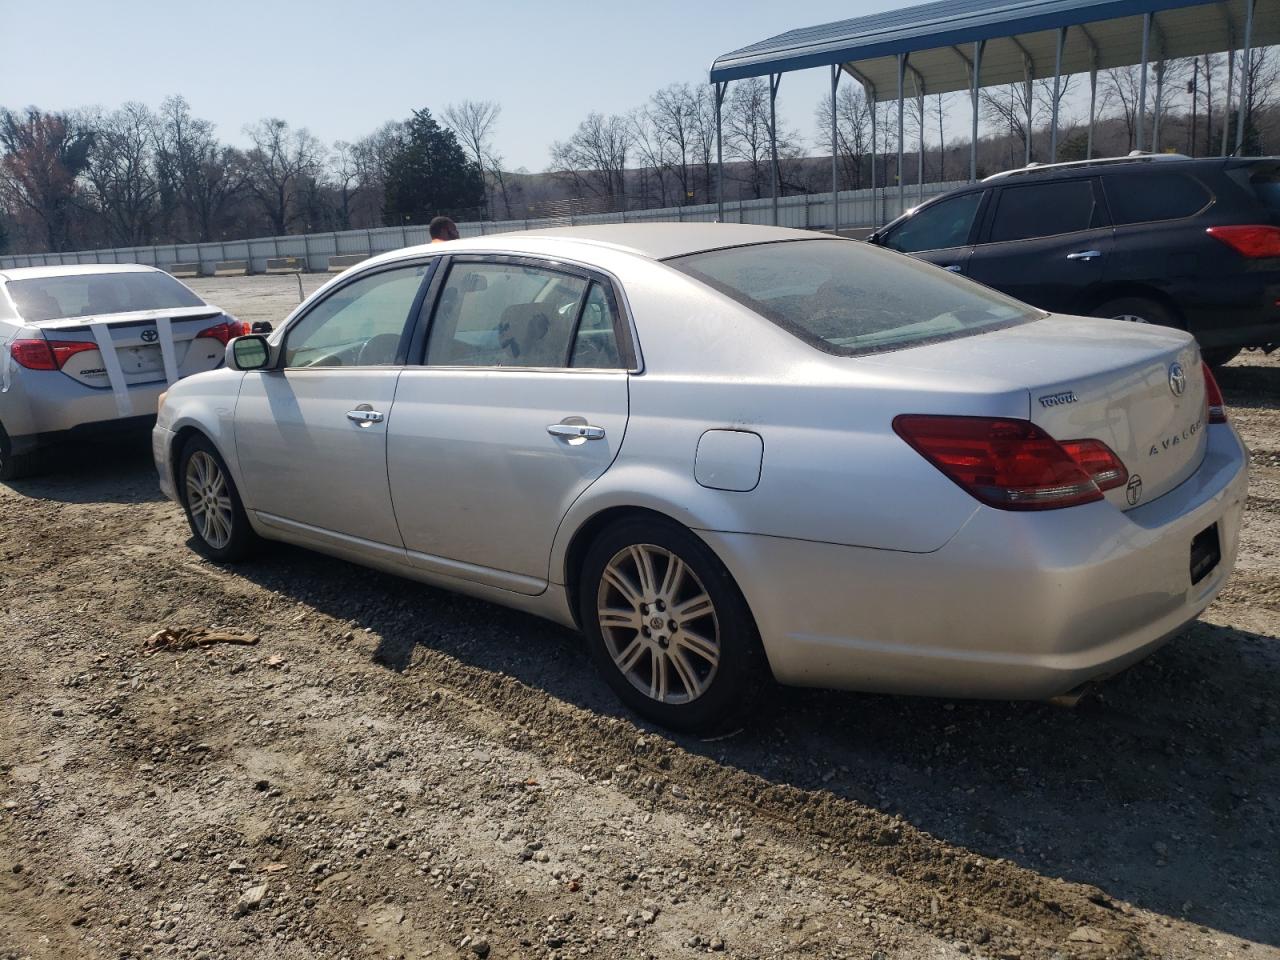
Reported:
(1044, 210)
(940, 225)
(1151, 195)
(1266, 187)
(848, 298)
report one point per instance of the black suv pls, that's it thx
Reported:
(1186, 243)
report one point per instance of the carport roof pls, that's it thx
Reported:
(939, 38)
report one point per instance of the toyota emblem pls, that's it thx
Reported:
(1133, 492)
(1177, 379)
(151, 336)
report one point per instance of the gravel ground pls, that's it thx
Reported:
(394, 771)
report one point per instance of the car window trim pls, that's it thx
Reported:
(406, 334)
(1099, 199)
(623, 325)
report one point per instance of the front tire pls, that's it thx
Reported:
(212, 504)
(668, 628)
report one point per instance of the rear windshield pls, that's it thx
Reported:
(92, 295)
(847, 297)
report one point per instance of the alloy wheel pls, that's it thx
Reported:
(658, 623)
(209, 500)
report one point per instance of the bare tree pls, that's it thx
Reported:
(122, 173)
(279, 161)
(197, 174)
(43, 155)
(1021, 107)
(673, 114)
(594, 159)
(746, 134)
(472, 122)
(853, 129)
(344, 176)
(655, 155)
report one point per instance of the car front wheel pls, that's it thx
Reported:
(212, 504)
(668, 628)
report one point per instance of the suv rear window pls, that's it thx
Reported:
(1149, 196)
(1044, 210)
(1266, 187)
(846, 297)
(96, 294)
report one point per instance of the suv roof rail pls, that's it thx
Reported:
(1136, 156)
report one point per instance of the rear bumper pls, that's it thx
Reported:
(1242, 311)
(1016, 605)
(42, 407)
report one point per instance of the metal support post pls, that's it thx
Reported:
(1141, 139)
(774, 80)
(835, 169)
(1245, 92)
(902, 186)
(976, 86)
(720, 90)
(1057, 94)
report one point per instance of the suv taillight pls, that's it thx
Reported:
(1013, 464)
(1255, 242)
(1217, 409)
(224, 332)
(47, 354)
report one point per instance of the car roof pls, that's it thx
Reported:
(654, 241)
(73, 270)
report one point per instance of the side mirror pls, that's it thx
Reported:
(261, 326)
(250, 352)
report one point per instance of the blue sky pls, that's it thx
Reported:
(342, 68)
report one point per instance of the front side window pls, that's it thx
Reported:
(1044, 210)
(848, 298)
(98, 294)
(505, 315)
(938, 226)
(359, 325)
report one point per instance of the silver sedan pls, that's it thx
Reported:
(729, 454)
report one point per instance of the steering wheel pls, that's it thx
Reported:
(378, 350)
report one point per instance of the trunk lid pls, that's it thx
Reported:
(1137, 388)
(137, 341)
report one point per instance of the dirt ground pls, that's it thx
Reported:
(394, 771)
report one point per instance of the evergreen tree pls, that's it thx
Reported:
(428, 174)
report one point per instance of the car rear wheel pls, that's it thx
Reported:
(668, 628)
(14, 466)
(212, 504)
(1138, 310)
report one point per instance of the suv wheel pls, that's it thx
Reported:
(668, 628)
(1138, 310)
(212, 504)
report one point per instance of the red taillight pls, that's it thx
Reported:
(1013, 464)
(33, 354)
(1254, 242)
(47, 354)
(224, 332)
(1217, 409)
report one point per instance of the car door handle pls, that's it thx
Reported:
(1085, 255)
(576, 431)
(364, 417)
(954, 268)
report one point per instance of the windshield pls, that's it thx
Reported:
(847, 297)
(96, 294)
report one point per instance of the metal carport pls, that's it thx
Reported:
(970, 44)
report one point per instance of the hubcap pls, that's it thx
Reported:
(1131, 318)
(209, 500)
(659, 624)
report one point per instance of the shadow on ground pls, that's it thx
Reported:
(1164, 792)
(119, 470)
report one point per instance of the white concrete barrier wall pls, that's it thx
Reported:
(813, 212)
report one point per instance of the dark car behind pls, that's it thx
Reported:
(1187, 243)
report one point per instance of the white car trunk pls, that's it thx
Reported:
(1137, 388)
(139, 344)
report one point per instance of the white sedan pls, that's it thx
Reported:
(730, 453)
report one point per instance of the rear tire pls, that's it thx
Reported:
(1138, 310)
(668, 628)
(212, 504)
(15, 466)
